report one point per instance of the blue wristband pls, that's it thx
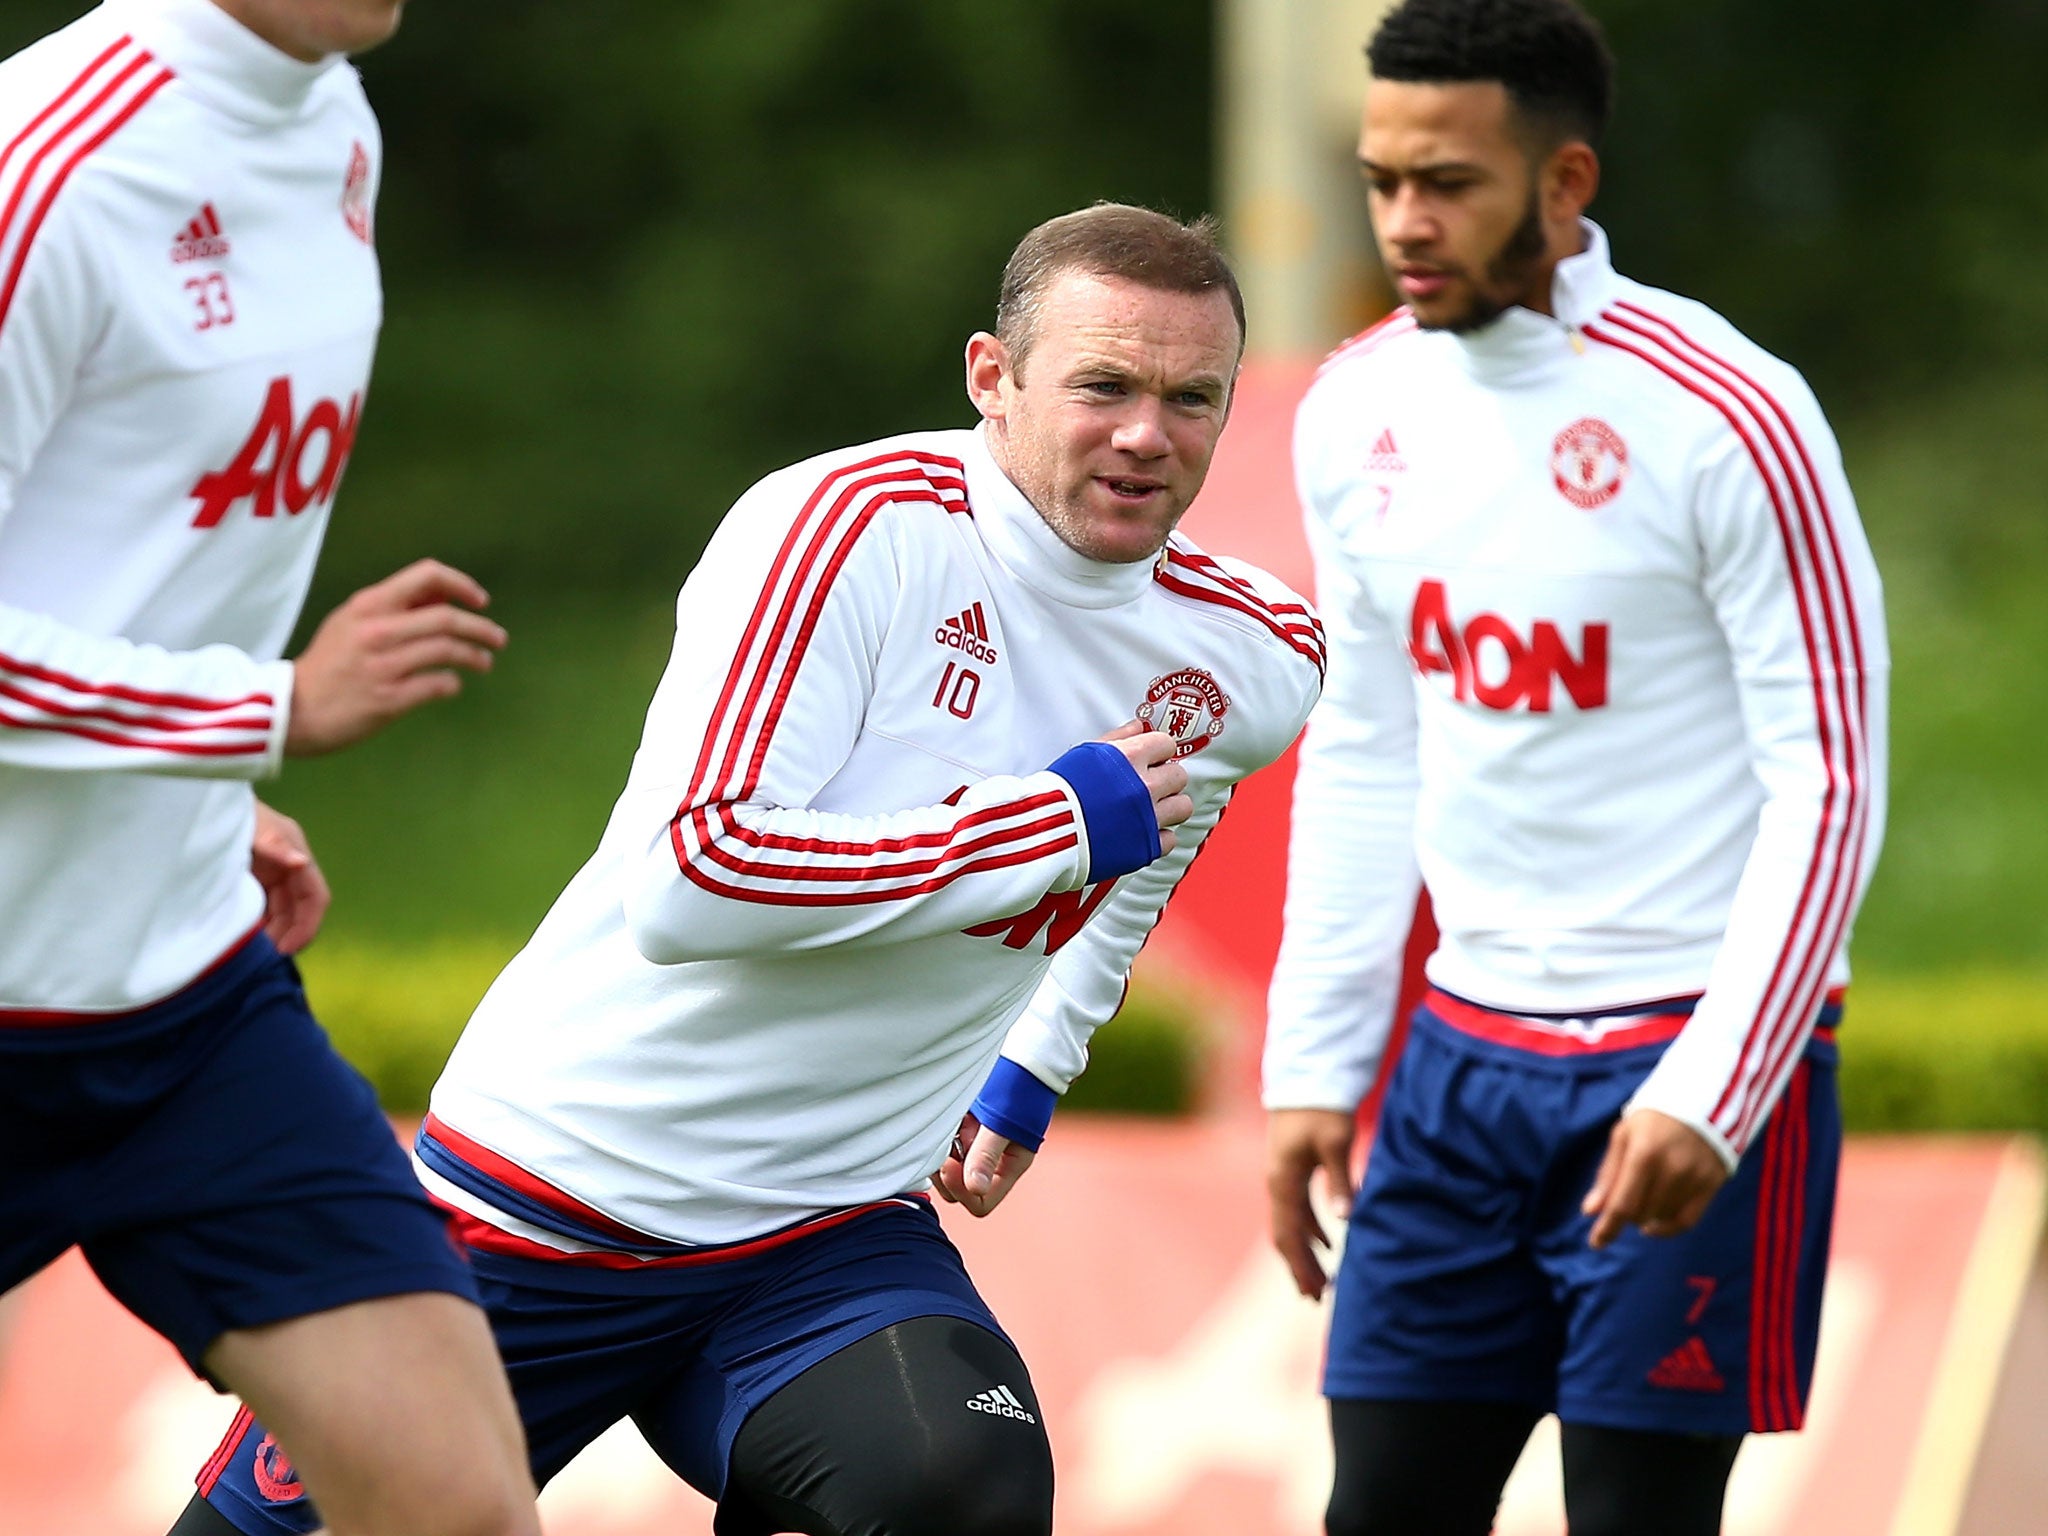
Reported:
(1015, 1104)
(1123, 827)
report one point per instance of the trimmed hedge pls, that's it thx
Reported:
(1961, 1052)
(1966, 1051)
(396, 1014)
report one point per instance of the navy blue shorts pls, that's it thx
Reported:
(218, 1163)
(685, 1350)
(1466, 1276)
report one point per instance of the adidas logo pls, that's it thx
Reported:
(201, 240)
(1688, 1368)
(967, 631)
(1385, 458)
(1001, 1402)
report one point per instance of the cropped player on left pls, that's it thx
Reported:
(189, 300)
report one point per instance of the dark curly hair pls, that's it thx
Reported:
(1551, 56)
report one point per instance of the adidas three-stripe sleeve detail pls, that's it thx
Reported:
(71, 700)
(765, 698)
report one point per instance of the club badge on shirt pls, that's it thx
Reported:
(1588, 463)
(1189, 705)
(355, 194)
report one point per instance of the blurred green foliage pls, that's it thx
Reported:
(638, 252)
(1964, 1051)
(1862, 184)
(395, 1011)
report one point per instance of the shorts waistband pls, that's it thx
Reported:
(604, 1243)
(1598, 1033)
(66, 1028)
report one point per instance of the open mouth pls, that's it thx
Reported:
(1128, 489)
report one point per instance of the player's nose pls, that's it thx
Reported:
(1142, 431)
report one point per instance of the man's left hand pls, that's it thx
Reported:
(1659, 1174)
(981, 1169)
(294, 890)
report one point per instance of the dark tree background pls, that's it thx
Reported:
(639, 251)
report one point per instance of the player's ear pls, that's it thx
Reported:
(1571, 178)
(988, 365)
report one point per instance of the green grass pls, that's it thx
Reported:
(466, 819)
(1950, 491)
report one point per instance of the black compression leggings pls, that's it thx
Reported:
(1405, 1468)
(880, 1440)
(877, 1440)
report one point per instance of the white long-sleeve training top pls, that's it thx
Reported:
(839, 870)
(1607, 671)
(188, 303)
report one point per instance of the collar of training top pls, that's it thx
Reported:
(222, 60)
(1521, 339)
(1030, 551)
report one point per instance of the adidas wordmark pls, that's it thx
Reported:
(1002, 1402)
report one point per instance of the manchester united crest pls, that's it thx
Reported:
(355, 195)
(1188, 705)
(276, 1479)
(1588, 462)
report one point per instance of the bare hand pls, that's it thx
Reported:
(1299, 1141)
(386, 651)
(988, 1170)
(1658, 1174)
(294, 890)
(1151, 753)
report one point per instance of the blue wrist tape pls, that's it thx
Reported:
(1123, 827)
(1015, 1104)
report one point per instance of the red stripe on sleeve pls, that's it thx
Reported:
(956, 849)
(801, 644)
(42, 674)
(1830, 573)
(134, 104)
(246, 747)
(1207, 584)
(1399, 323)
(698, 876)
(57, 106)
(726, 730)
(134, 722)
(1792, 994)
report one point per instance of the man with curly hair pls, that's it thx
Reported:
(1607, 674)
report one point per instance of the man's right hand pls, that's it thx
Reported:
(386, 651)
(1151, 753)
(1298, 1142)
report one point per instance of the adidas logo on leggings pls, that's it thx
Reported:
(1002, 1402)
